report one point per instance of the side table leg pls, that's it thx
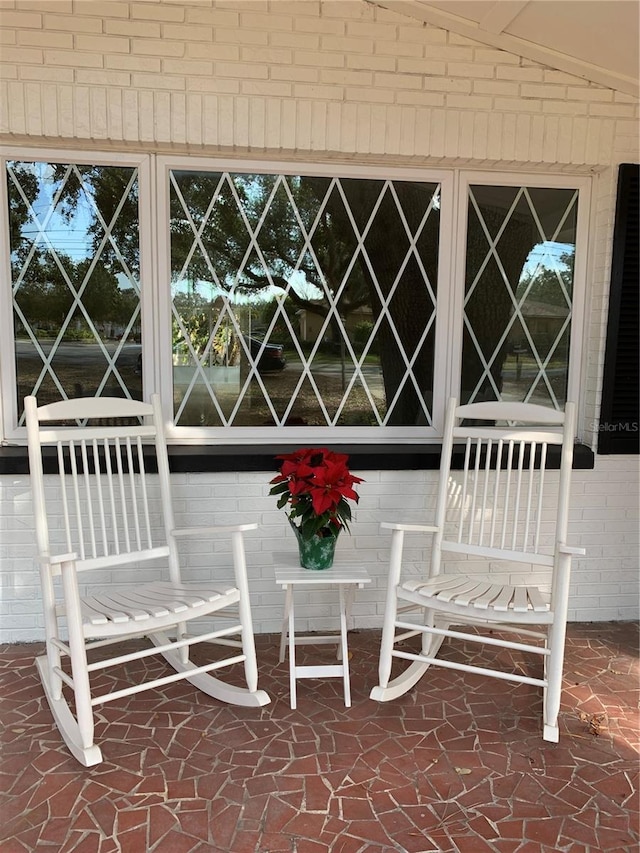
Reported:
(344, 649)
(349, 596)
(288, 592)
(292, 650)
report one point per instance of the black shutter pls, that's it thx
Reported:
(619, 429)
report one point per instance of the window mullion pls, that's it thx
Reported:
(450, 295)
(156, 294)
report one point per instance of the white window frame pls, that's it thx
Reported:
(308, 435)
(153, 172)
(578, 297)
(8, 379)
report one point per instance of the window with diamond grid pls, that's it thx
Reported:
(279, 300)
(518, 293)
(302, 300)
(75, 256)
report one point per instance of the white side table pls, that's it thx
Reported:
(289, 574)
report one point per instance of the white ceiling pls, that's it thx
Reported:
(594, 39)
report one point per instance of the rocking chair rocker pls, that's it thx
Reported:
(503, 516)
(111, 514)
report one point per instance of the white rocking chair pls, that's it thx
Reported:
(112, 515)
(504, 516)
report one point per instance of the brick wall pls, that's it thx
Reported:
(604, 520)
(320, 80)
(305, 76)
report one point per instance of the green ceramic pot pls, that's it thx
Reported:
(316, 552)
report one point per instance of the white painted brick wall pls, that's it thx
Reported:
(305, 51)
(604, 520)
(323, 80)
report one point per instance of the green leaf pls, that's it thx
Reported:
(279, 489)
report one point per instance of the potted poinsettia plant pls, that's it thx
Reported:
(315, 484)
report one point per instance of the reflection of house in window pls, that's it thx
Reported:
(537, 344)
(544, 323)
(310, 323)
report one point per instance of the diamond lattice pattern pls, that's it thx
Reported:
(75, 280)
(518, 292)
(301, 300)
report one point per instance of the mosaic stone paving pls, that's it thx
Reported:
(456, 765)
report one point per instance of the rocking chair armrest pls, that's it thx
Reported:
(570, 549)
(58, 559)
(182, 532)
(410, 528)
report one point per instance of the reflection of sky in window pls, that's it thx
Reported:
(210, 290)
(547, 255)
(68, 237)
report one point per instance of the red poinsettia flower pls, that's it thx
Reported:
(316, 484)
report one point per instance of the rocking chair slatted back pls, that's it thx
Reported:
(104, 504)
(503, 503)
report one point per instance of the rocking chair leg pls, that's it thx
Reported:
(53, 663)
(390, 612)
(183, 651)
(77, 730)
(250, 662)
(248, 647)
(244, 612)
(551, 701)
(386, 649)
(67, 725)
(51, 634)
(553, 690)
(387, 690)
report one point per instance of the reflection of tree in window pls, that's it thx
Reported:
(75, 262)
(306, 233)
(518, 294)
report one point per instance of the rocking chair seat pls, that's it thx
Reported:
(152, 601)
(449, 591)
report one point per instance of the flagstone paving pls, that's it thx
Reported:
(457, 765)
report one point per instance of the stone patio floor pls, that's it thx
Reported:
(458, 764)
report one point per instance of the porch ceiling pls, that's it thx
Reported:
(593, 39)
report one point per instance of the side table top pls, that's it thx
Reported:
(288, 570)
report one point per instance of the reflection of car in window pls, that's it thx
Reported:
(272, 357)
(271, 360)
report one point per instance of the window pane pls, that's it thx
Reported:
(518, 291)
(302, 300)
(75, 279)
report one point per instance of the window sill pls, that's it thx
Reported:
(185, 459)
